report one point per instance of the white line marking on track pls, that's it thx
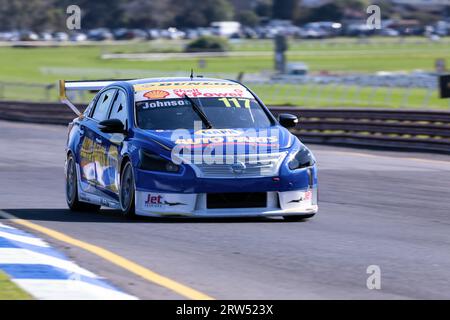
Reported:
(24, 256)
(28, 240)
(69, 290)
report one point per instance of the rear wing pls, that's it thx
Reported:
(92, 85)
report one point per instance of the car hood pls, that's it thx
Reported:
(273, 138)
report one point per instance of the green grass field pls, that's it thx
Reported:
(47, 65)
(350, 96)
(9, 291)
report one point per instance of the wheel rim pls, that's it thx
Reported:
(70, 181)
(126, 193)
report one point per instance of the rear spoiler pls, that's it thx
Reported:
(89, 85)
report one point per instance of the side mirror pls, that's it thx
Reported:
(111, 126)
(288, 120)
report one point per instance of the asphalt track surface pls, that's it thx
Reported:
(389, 209)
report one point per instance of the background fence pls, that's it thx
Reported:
(307, 94)
(32, 91)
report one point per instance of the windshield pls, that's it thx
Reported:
(223, 113)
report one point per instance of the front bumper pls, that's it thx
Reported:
(295, 202)
(188, 182)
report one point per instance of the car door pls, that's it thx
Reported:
(86, 148)
(107, 166)
(99, 154)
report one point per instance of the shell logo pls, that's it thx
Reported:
(156, 94)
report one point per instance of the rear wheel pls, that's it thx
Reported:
(298, 218)
(72, 189)
(127, 191)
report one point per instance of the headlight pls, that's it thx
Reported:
(303, 159)
(152, 162)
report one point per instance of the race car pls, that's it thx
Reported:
(191, 147)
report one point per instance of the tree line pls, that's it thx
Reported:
(41, 15)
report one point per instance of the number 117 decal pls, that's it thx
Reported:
(236, 102)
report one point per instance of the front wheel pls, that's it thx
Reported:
(72, 189)
(298, 218)
(127, 191)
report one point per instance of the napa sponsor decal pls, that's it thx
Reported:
(218, 132)
(207, 136)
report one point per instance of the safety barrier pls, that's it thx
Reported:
(405, 129)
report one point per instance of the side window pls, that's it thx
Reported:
(89, 108)
(103, 103)
(119, 108)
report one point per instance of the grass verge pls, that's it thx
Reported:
(10, 291)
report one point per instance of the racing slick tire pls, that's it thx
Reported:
(127, 191)
(72, 189)
(298, 218)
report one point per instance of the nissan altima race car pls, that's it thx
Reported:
(193, 147)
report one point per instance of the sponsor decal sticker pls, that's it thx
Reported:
(194, 93)
(166, 103)
(208, 140)
(153, 201)
(219, 132)
(307, 196)
(224, 92)
(158, 201)
(156, 94)
(184, 85)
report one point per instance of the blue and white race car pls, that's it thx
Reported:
(192, 147)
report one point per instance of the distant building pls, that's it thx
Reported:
(225, 28)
